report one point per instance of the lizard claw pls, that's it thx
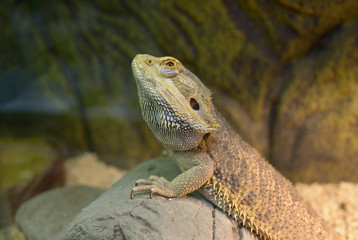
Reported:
(153, 184)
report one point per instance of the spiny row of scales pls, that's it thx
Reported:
(225, 200)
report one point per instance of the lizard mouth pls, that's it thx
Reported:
(139, 70)
(144, 70)
(170, 93)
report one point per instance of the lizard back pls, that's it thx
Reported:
(255, 194)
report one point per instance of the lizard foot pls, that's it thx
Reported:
(153, 184)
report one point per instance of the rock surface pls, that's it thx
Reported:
(315, 130)
(114, 215)
(337, 203)
(46, 216)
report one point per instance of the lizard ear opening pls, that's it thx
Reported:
(194, 104)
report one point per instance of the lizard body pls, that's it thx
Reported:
(214, 159)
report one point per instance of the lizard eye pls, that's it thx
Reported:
(170, 68)
(194, 104)
(169, 64)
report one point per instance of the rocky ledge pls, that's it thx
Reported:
(76, 212)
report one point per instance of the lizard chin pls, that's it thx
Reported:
(174, 133)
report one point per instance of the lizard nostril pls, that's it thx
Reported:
(150, 61)
(194, 104)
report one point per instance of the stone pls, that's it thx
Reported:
(45, 216)
(114, 215)
(315, 130)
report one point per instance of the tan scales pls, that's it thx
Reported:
(214, 159)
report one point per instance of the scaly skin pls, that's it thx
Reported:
(214, 159)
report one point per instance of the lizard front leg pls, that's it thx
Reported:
(188, 181)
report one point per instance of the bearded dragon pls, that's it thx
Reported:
(214, 159)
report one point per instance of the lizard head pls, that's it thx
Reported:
(175, 103)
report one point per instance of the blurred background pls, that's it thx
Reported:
(283, 73)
